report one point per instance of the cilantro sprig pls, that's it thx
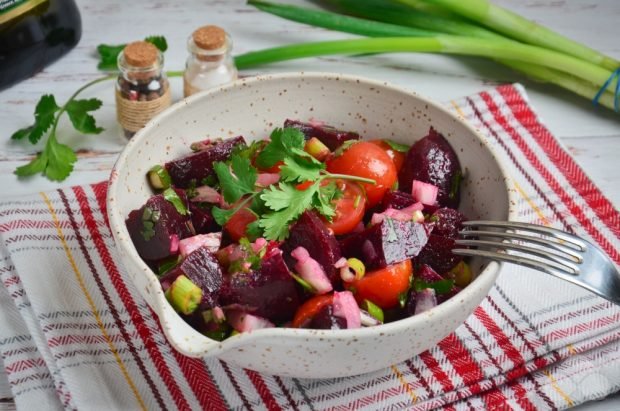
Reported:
(278, 205)
(56, 160)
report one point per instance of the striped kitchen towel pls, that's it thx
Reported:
(75, 334)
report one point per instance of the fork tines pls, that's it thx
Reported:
(542, 248)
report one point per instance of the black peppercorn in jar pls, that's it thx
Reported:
(142, 89)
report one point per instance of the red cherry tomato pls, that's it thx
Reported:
(383, 286)
(237, 225)
(350, 208)
(306, 312)
(364, 159)
(397, 157)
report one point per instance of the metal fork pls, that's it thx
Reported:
(559, 253)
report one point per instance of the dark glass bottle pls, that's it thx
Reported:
(33, 34)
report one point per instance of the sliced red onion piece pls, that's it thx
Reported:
(174, 244)
(405, 214)
(425, 300)
(258, 244)
(342, 262)
(244, 322)
(218, 314)
(346, 307)
(211, 240)
(267, 179)
(425, 193)
(206, 194)
(311, 271)
(368, 320)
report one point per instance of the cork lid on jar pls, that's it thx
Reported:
(209, 37)
(141, 54)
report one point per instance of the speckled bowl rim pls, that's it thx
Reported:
(117, 224)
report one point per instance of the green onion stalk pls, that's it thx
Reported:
(511, 24)
(540, 64)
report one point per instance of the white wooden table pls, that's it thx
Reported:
(592, 136)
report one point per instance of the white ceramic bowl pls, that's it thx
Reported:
(253, 107)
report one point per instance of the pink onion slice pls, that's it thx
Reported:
(406, 214)
(174, 244)
(212, 241)
(244, 322)
(425, 300)
(206, 194)
(311, 271)
(425, 193)
(346, 307)
(267, 179)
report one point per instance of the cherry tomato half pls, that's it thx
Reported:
(397, 157)
(350, 207)
(364, 159)
(306, 312)
(383, 286)
(237, 225)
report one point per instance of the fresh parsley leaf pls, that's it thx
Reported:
(402, 148)
(55, 161)
(299, 171)
(242, 182)
(43, 117)
(60, 160)
(172, 197)
(37, 165)
(283, 141)
(287, 204)
(108, 55)
(21, 133)
(158, 41)
(221, 216)
(78, 114)
(323, 201)
(253, 230)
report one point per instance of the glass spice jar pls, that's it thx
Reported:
(210, 62)
(142, 89)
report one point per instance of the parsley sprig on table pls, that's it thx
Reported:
(56, 161)
(302, 186)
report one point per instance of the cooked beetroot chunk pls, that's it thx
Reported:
(448, 222)
(310, 233)
(427, 274)
(202, 220)
(432, 160)
(193, 168)
(269, 292)
(438, 254)
(326, 320)
(388, 242)
(328, 135)
(153, 226)
(396, 200)
(203, 269)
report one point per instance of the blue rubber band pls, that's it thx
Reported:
(615, 75)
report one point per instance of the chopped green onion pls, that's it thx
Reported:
(401, 148)
(159, 178)
(519, 28)
(357, 266)
(461, 273)
(304, 284)
(373, 309)
(316, 149)
(184, 295)
(173, 198)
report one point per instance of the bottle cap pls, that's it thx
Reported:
(141, 54)
(209, 37)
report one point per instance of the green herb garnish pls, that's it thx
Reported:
(401, 148)
(173, 198)
(440, 287)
